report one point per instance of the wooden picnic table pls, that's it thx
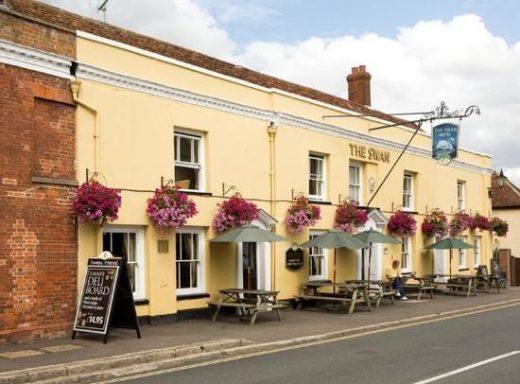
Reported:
(376, 290)
(248, 302)
(463, 283)
(347, 295)
(425, 284)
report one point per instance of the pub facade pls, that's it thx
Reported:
(149, 114)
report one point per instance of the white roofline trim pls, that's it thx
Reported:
(34, 60)
(88, 72)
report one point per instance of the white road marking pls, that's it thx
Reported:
(467, 368)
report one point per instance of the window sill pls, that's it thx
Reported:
(197, 193)
(320, 202)
(141, 301)
(463, 269)
(193, 296)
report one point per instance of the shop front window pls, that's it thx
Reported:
(317, 260)
(189, 261)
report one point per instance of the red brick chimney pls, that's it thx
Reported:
(359, 85)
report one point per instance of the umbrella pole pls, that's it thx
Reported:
(369, 259)
(334, 274)
(363, 264)
(451, 257)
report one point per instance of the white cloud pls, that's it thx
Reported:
(182, 22)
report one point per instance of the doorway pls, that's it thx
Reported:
(250, 265)
(439, 264)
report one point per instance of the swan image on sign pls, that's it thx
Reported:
(445, 142)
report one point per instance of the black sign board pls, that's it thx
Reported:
(294, 258)
(106, 298)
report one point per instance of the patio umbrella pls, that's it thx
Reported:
(334, 240)
(247, 233)
(450, 243)
(370, 237)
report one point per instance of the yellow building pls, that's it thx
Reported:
(150, 111)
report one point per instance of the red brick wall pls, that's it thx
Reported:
(38, 238)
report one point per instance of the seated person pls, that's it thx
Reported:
(394, 273)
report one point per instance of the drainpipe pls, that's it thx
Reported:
(271, 131)
(75, 86)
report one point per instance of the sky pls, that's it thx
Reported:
(419, 52)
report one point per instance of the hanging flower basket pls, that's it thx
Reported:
(402, 224)
(480, 222)
(435, 224)
(96, 204)
(169, 208)
(499, 226)
(301, 214)
(349, 217)
(459, 223)
(234, 212)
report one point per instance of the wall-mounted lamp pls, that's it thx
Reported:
(501, 181)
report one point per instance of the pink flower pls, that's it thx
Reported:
(234, 212)
(301, 214)
(95, 203)
(402, 224)
(480, 222)
(435, 224)
(459, 223)
(170, 209)
(349, 216)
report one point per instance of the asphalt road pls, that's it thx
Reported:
(480, 348)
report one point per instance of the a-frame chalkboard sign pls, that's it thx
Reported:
(106, 298)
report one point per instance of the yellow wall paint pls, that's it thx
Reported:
(136, 149)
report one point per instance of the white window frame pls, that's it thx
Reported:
(408, 194)
(139, 291)
(321, 179)
(463, 256)
(322, 255)
(357, 185)
(201, 276)
(197, 139)
(461, 195)
(406, 254)
(477, 257)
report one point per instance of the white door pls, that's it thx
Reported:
(439, 263)
(375, 262)
(254, 263)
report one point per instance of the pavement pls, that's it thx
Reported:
(194, 340)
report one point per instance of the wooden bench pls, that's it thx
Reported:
(382, 290)
(248, 302)
(423, 285)
(347, 296)
(462, 284)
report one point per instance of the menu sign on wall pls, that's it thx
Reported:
(94, 308)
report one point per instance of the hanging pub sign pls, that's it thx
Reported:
(106, 298)
(445, 141)
(294, 258)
